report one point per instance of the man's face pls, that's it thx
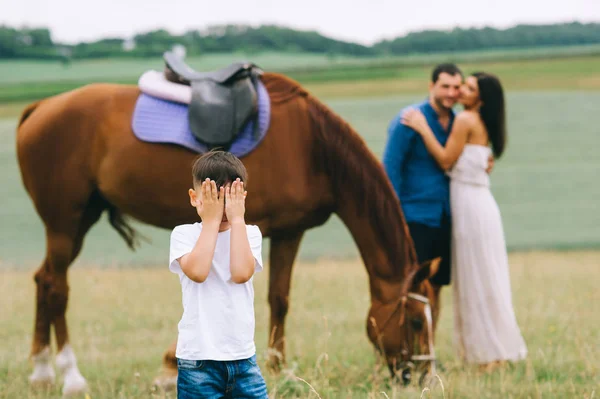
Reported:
(446, 90)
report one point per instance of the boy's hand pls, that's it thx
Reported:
(235, 201)
(210, 207)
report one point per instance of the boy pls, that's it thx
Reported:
(215, 261)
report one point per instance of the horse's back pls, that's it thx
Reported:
(60, 109)
(71, 117)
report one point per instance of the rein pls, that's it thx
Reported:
(400, 304)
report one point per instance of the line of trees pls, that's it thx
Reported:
(38, 44)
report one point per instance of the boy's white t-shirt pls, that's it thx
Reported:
(218, 314)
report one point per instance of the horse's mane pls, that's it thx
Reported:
(343, 155)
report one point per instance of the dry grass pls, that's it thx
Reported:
(393, 87)
(122, 321)
(575, 74)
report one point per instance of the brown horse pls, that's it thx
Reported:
(79, 157)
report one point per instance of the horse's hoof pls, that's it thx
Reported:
(274, 366)
(42, 377)
(43, 373)
(166, 382)
(275, 361)
(74, 384)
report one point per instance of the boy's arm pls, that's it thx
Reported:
(197, 263)
(396, 149)
(241, 257)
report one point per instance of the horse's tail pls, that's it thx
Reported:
(28, 111)
(118, 222)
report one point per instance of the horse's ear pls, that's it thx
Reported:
(427, 270)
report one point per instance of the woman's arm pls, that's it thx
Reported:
(445, 156)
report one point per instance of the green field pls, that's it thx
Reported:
(121, 322)
(575, 68)
(23, 71)
(544, 186)
(124, 306)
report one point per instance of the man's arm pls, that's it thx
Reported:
(395, 152)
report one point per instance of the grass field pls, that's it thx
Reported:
(573, 68)
(544, 185)
(23, 71)
(121, 321)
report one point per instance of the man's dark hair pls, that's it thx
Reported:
(449, 68)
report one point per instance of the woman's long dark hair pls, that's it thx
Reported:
(492, 110)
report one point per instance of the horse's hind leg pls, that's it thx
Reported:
(64, 241)
(43, 372)
(52, 296)
(65, 358)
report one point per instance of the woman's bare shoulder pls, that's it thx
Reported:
(468, 117)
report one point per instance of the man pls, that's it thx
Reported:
(422, 187)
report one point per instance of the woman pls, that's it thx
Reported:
(485, 327)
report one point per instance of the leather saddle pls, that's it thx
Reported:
(223, 101)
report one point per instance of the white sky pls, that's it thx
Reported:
(366, 22)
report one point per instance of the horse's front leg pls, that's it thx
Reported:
(284, 248)
(167, 380)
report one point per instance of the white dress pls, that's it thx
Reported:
(485, 327)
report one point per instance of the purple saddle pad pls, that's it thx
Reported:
(161, 121)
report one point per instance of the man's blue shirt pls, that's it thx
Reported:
(421, 185)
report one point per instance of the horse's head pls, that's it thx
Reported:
(402, 331)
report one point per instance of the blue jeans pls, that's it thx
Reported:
(220, 379)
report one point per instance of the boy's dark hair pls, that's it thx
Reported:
(221, 166)
(449, 68)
